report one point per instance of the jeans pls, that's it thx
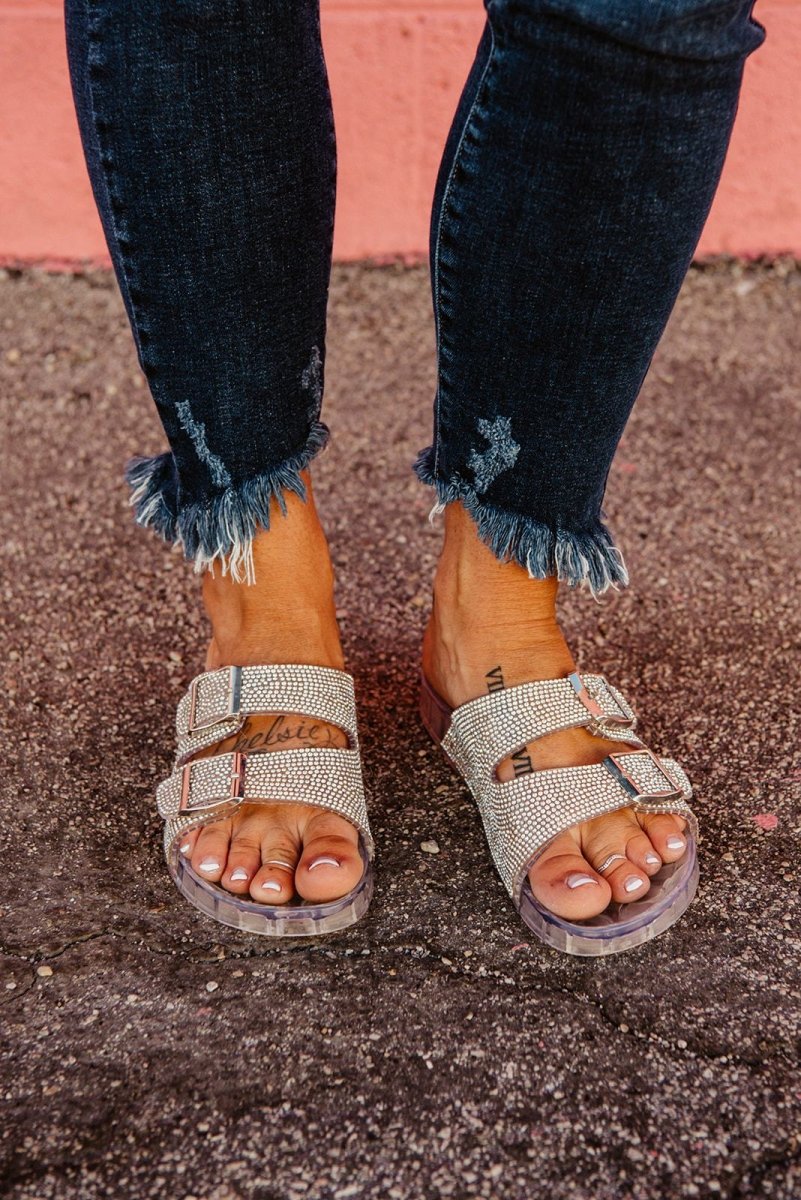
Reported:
(575, 181)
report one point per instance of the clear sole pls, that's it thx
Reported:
(620, 926)
(293, 920)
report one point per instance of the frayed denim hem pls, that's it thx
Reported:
(220, 529)
(586, 557)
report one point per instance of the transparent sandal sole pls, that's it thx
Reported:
(620, 926)
(293, 920)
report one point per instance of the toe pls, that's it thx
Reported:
(330, 865)
(274, 883)
(626, 879)
(667, 833)
(187, 843)
(565, 883)
(210, 851)
(244, 860)
(640, 851)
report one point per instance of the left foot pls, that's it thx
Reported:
(492, 625)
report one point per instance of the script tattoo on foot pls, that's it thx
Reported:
(280, 731)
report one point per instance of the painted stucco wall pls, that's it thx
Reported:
(396, 69)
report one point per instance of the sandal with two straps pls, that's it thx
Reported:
(521, 816)
(203, 790)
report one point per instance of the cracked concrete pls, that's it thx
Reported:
(436, 1050)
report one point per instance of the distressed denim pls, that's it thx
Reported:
(575, 181)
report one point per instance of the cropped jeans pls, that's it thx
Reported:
(574, 184)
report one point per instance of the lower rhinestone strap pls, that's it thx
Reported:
(321, 776)
(522, 815)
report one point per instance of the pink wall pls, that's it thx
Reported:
(410, 58)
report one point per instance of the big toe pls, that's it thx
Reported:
(331, 864)
(565, 883)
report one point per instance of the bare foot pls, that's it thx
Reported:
(491, 623)
(277, 851)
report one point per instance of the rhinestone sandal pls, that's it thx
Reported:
(203, 790)
(522, 815)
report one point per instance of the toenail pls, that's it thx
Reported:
(323, 862)
(674, 842)
(239, 874)
(187, 846)
(653, 860)
(209, 864)
(576, 881)
(270, 885)
(632, 884)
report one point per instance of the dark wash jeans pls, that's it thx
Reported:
(575, 181)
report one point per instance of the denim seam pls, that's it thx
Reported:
(331, 123)
(96, 64)
(442, 213)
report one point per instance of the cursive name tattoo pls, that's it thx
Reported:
(281, 731)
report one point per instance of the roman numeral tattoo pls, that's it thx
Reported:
(521, 762)
(494, 680)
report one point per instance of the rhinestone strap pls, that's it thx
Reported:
(220, 701)
(318, 775)
(485, 731)
(210, 788)
(523, 814)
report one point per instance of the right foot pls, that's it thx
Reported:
(274, 852)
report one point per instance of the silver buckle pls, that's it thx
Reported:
(593, 707)
(614, 764)
(232, 705)
(237, 785)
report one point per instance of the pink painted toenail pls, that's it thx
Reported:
(270, 885)
(675, 843)
(632, 884)
(187, 846)
(209, 864)
(653, 860)
(238, 875)
(323, 862)
(577, 881)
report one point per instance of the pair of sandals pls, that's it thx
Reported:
(521, 816)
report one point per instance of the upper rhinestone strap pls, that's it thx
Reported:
(322, 776)
(485, 731)
(217, 702)
(523, 814)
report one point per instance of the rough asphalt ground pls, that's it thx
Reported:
(437, 1049)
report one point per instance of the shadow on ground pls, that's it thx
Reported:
(436, 1050)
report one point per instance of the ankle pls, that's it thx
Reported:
(489, 616)
(288, 614)
(472, 587)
